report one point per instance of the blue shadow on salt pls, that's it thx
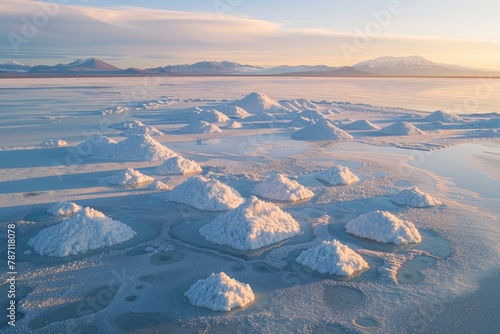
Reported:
(92, 302)
(410, 271)
(341, 297)
(168, 257)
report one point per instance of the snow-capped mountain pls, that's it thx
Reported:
(91, 63)
(87, 65)
(313, 70)
(344, 71)
(413, 66)
(14, 66)
(382, 66)
(211, 68)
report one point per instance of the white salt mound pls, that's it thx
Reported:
(220, 292)
(141, 147)
(115, 110)
(261, 117)
(361, 125)
(441, 116)
(299, 122)
(337, 175)
(193, 110)
(178, 165)
(252, 225)
(312, 114)
(96, 147)
(322, 130)
(159, 186)
(281, 188)
(334, 258)
(234, 111)
(200, 127)
(87, 229)
(301, 103)
(415, 198)
(383, 226)
(129, 177)
(290, 106)
(234, 125)
(210, 116)
(127, 125)
(142, 130)
(490, 123)
(401, 129)
(206, 194)
(63, 208)
(53, 143)
(134, 148)
(258, 103)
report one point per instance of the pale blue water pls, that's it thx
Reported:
(453, 163)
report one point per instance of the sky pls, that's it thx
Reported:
(151, 33)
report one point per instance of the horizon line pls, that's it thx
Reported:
(249, 64)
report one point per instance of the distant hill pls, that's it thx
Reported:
(211, 68)
(345, 71)
(14, 66)
(312, 71)
(382, 66)
(287, 69)
(88, 65)
(415, 66)
(134, 71)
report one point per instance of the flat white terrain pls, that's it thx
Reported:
(131, 263)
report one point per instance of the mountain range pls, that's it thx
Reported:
(413, 66)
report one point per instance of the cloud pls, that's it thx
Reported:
(126, 25)
(149, 37)
(30, 26)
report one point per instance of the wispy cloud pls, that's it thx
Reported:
(149, 37)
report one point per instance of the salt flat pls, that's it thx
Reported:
(137, 284)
